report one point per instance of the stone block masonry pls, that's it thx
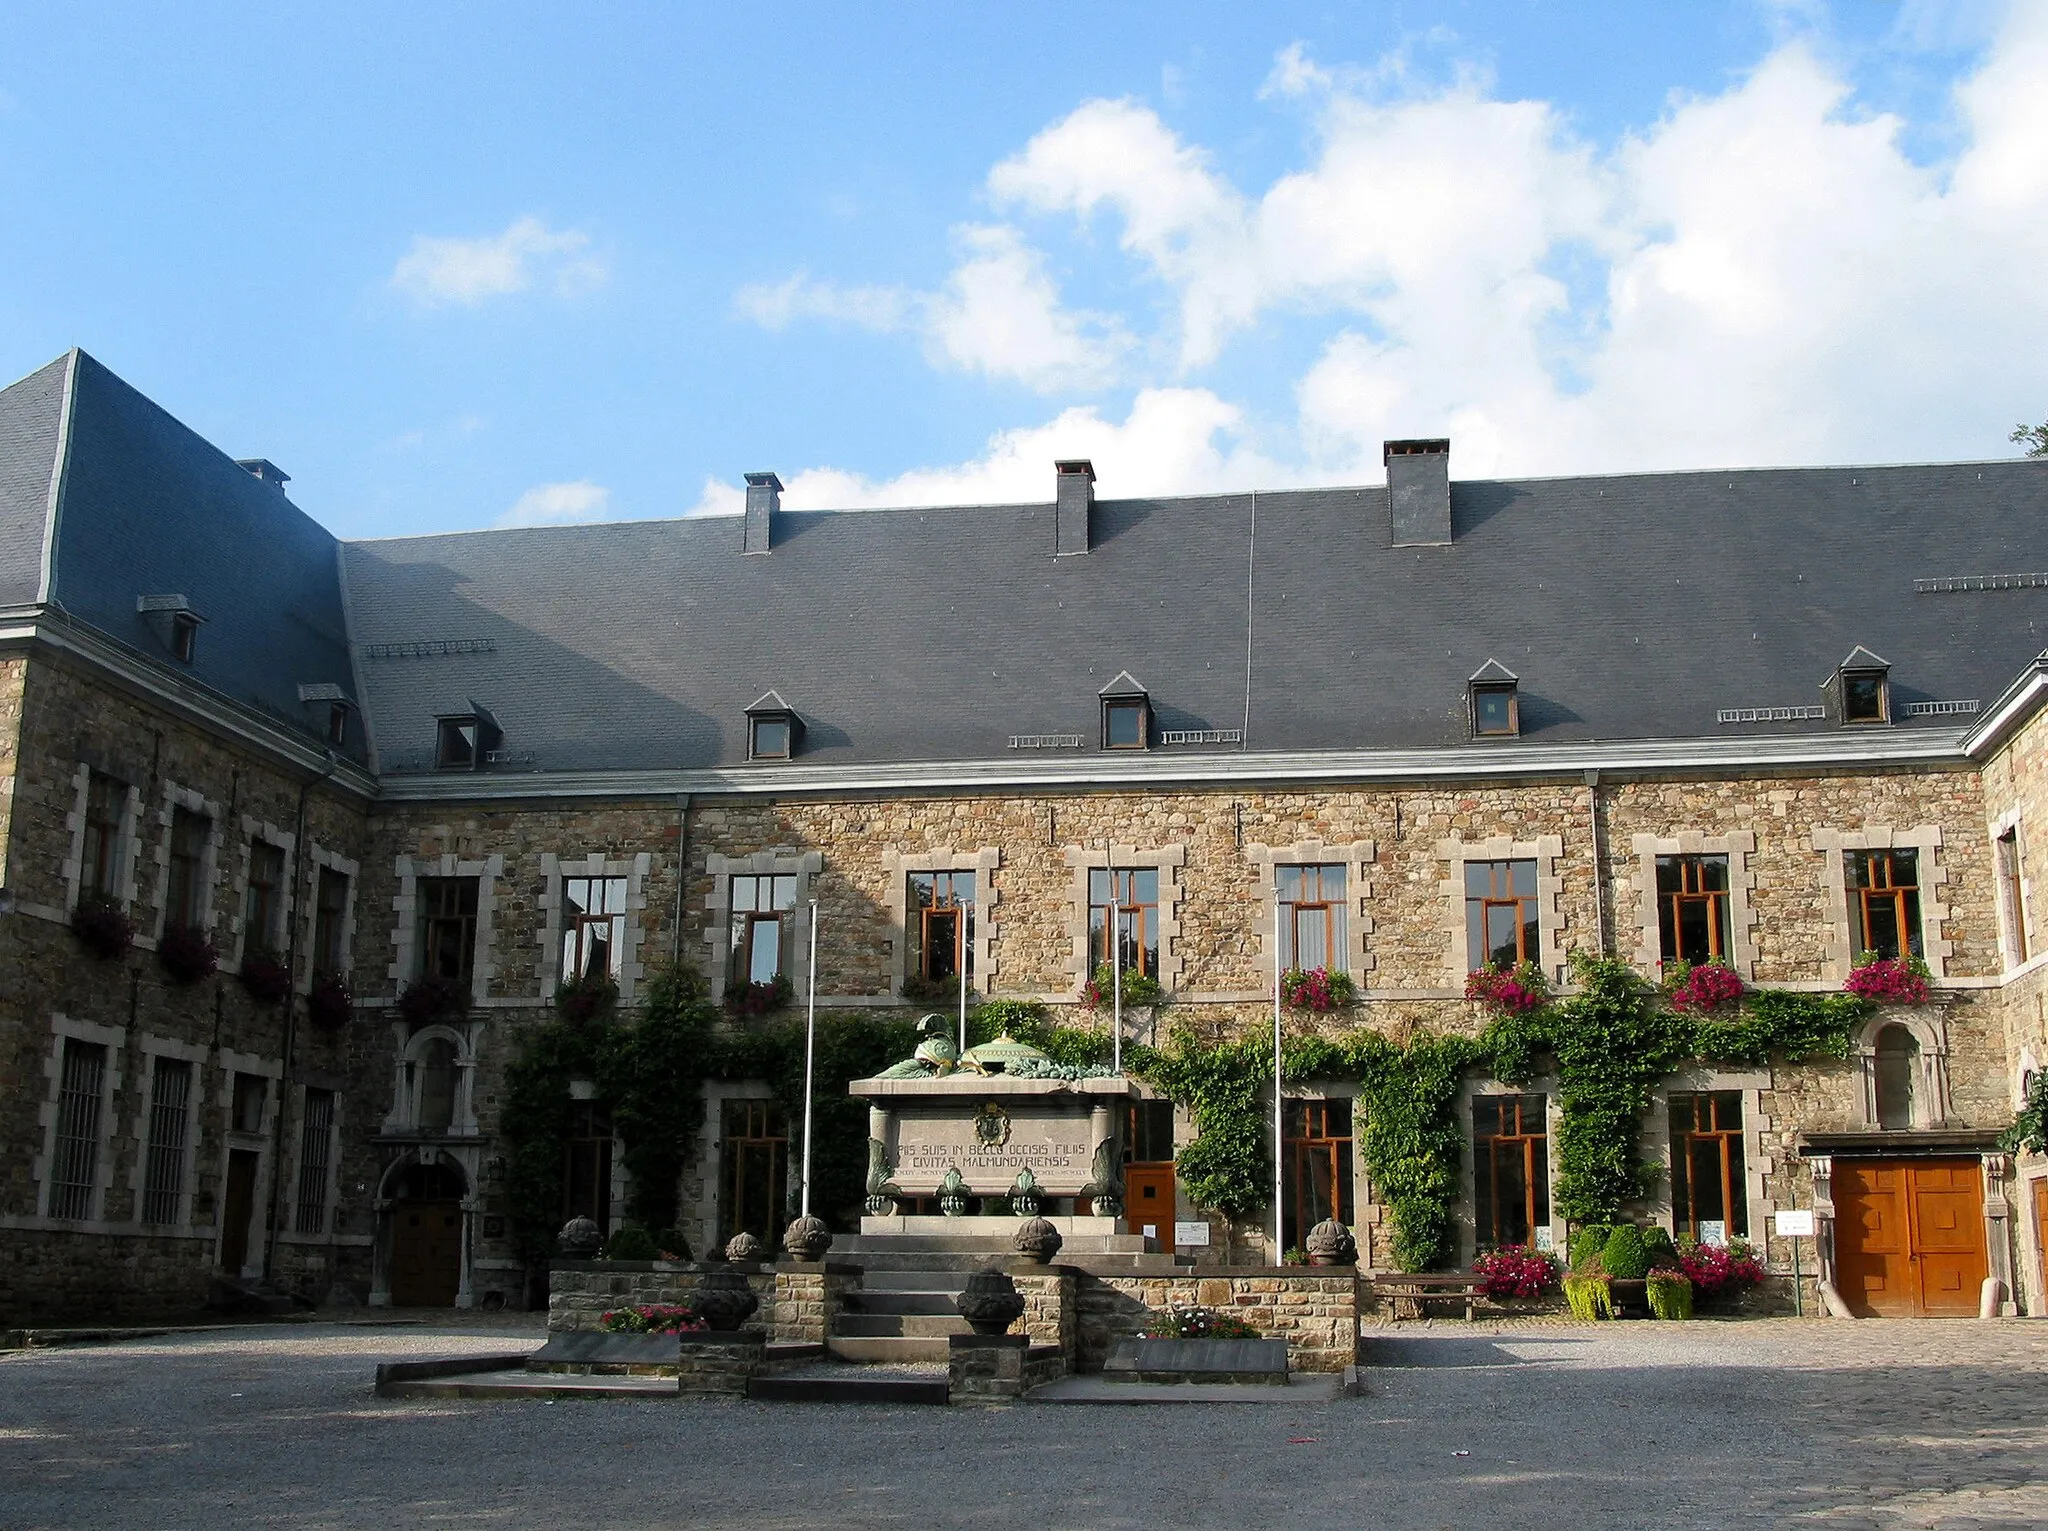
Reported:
(1315, 1311)
(797, 1300)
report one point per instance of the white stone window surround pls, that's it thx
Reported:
(197, 1054)
(1545, 851)
(1168, 862)
(258, 1143)
(1931, 1103)
(405, 918)
(193, 801)
(897, 867)
(1357, 858)
(408, 1080)
(128, 854)
(782, 861)
(1737, 847)
(114, 1039)
(1933, 876)
(2011, 823)
(1700, 1079)
(556, 870)
(318, 857)
(288, 1213)
(1468, 1192)
(253, 830)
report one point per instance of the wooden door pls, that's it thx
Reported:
(238, 1205)
(1909, 1237)
(1947, 1229)
(426, 1253)
(1148, 1202)
(2041, 1229)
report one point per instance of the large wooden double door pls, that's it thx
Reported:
(1909, 1237)
(426, 1253)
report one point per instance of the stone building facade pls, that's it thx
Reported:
(384, 758)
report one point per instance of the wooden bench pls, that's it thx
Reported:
(1408, 1294)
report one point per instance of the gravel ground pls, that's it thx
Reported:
(1533, 1427)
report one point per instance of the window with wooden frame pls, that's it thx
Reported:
(99, 860)
(1135, 894)
(756, 1170)
(438, 1068)
(447, 927)
(587, 1164)
(763, 927)
(1510, 1170)
(768, 738)
(1496, 710)
(1148, 1132)
(185, 888)
(263, 901)
(1866, 697)
(1312, 916)
(1317, 1179)
(1125, 724)
(2013, 892)
(593, 927)
(330, 922)
(1500, 914)
(170, 1129)
(316, 1153)
(81, 1101)
(1884, 901)
(941, 919)
(1692, 908)
(1707, 1184)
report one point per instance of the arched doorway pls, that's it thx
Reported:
(426, 1236)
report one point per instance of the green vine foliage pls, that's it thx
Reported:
(2029, 1129)
(1229, 1165)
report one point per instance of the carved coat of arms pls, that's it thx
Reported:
(991, 1126)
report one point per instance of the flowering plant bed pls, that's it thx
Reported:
(1317, 990)
(186, 953)
(1889, 980)
(1705, 986)
(1668, 1293)
(102, 925)
(655, 1318)
(265, 976)
(1511, 991)
(328, 1001)
(759, 998)
(433, 998)
(1516, 1273)
(1137, 989)
(1192, 1323)
(1720, 1272)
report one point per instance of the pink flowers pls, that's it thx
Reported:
(1516, 1272)
(1888, 980)
(654, 1318)
(1317, 989)
(1705, 986)
(1520, 989)
(1713, 1269)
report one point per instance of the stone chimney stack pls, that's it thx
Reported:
(1074, 506)
(764, 499)
(1419, 490)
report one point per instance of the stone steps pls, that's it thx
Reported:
(923, 1302)
(890, 1350)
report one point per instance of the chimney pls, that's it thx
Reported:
(265, 469)
(1419, 490)
(764, 498)
(1074, 506)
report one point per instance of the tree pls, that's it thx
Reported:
(2033, 437)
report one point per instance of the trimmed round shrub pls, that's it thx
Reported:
(1662, 1253)
(1627, 1255)
(1585, 1244)
(631, 1242)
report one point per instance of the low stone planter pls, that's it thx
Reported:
(607, 1355)
(1150, 1360)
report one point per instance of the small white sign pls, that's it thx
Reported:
(1546, 1239)
(1794, 1225)
(1714, 1232)
(1191, 1235)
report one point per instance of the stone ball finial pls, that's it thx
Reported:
(807, 1238)
(743, 1247)
(1037, 1240)
(1331, 1243)
(991, 1302)
(580, 1239)
(724, 1299)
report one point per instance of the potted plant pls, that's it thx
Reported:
(1317, 990)
(1721, 1275)
(1668, 1292)
(1508, 991)
(586, 998)
(1889, 980)
(1139, 990)
(1696, 988)
(1194, 1323)
(264, 975)
(102, 925)
(653, 1318)
(186, 953)
(1516, 1273)
(328, 1001)
(433, 998)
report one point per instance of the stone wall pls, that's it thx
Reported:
(1315, 1311)
(797, 1300)
(1050, 1312)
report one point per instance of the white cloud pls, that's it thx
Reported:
(439, 271)
(558, 505)
(999, 314)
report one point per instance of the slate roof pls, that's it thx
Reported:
(147, 507)
(1631, 607)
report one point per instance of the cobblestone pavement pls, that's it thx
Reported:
(1529, 1426)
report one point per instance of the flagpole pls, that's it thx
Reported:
(1279, 1145)
(1116, 984)
(960, 967)
(810, 1052)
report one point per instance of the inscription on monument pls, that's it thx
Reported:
(1059, 1151)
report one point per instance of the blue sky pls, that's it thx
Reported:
(451, 266)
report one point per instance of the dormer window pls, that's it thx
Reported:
(464, 741)
(174, 622)
(1126, 714)
(184, 636)
(337, 723)
(774, 731)
(1863, 681)
(329, 703)
(1496, 709)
